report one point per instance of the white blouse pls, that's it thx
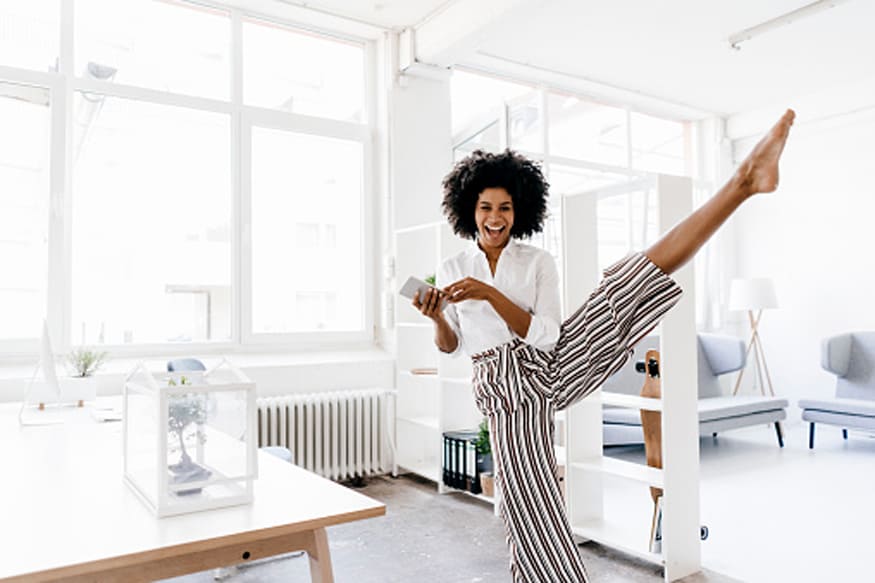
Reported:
(526, 275)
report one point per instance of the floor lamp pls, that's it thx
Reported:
(754, 295)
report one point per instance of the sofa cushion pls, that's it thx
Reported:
(617, 434)
(709, 409)
(842, 406)
(840, 419)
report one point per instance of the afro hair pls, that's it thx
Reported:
(520, 177)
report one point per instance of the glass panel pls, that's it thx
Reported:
(569, 180)
(473, 96)
(151, 44)
(525, 124)
(488, 139)
(302, 73)
(658, 145)
(24, 209)
(30, 34)
(626, 222)
(151, 223)
(306, 233)
(587, 131)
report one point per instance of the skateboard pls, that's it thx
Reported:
(651, 425)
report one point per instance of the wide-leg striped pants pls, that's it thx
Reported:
(519, 388)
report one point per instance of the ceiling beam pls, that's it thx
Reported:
(456, 32)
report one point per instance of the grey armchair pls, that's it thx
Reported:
(851, 357)
(717, 355)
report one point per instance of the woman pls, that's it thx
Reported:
(504, 312)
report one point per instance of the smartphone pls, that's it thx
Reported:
(413, 284)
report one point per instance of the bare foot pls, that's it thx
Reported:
(759, 171)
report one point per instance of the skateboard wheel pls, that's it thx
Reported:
(703, 532)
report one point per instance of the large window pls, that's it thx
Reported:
(157, 190)
(279, 72)
(306, 233)
(24, 209)
(151, 225)
(171, 46)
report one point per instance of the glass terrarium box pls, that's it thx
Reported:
(190, 438)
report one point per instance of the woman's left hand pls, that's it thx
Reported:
(468, 289)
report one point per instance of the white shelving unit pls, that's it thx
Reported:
(434, 390)
(587, 467)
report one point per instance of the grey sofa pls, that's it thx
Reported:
(717, 355)
(851, 357)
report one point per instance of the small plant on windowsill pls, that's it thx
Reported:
(81, 386)
(85, 361)
(430, 279)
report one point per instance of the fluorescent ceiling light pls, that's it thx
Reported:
(736, 39)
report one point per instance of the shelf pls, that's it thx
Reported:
(423, 421)
(471, 494)
(457, 380)
(428, 471)
(424, 377)
(617, 536)
(631, 401)
(622, 469)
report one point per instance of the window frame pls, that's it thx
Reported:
(62, 86)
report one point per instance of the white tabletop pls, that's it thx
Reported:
(63, 500)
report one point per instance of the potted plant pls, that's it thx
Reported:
(81, 386)
(484, 458)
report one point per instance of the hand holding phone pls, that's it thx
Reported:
(413, 285)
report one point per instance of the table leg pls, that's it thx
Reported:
(320, 558)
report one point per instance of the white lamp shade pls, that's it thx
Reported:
(756, 293)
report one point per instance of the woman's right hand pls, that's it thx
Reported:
(430, 305)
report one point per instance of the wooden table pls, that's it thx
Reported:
(65, 512)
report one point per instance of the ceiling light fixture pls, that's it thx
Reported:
(736, 39)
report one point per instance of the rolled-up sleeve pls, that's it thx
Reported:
(544, 326)
(451, 315)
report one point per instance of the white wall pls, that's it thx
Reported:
(814, 237)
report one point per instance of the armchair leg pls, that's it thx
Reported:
(845, 433)
(780, 433)
(811, 437)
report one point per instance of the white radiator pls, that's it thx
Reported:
(338, 435)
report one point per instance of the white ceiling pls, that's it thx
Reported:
(389, 14)
(675, 50)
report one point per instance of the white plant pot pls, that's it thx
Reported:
(78, 389)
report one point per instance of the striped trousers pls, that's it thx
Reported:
(519, 388)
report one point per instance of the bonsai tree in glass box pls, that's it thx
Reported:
(185, 411)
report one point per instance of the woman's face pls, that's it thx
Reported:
(494, 217)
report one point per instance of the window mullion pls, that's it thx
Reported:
(239, 318)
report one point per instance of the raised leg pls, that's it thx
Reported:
(757, 173)
(811, 436)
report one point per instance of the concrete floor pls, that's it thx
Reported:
(426, 537)
(774, 514)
